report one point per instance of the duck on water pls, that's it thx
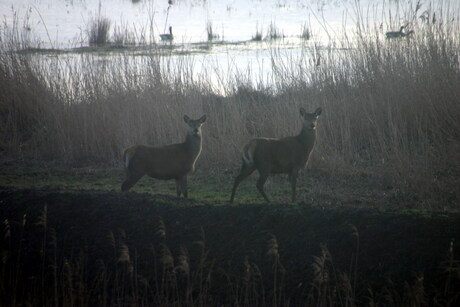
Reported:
(400, 33)
(167, 36)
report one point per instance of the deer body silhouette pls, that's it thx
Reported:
(287, 155)
(174, 161)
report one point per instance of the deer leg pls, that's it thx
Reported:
(131, 180)
(244, 173)
(183, 186)
(293, 179)
(178, 188)
(260, 183)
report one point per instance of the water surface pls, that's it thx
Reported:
(64, 24)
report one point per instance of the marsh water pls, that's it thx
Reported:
(63, 23)
(222, 36)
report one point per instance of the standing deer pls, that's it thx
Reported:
(288, 155)
(174, 161)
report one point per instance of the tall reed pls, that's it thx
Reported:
(118, 271)
(391, 107)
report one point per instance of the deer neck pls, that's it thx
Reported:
(307, 137)
(193, 144)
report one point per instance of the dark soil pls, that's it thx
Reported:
(396, 246)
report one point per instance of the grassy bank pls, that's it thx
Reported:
(315, 187)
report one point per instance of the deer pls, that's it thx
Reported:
(288, 155)
(173, 161)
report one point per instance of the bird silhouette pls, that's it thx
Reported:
(394, 34)
(167, 36)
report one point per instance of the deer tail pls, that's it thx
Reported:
(127, 155)
(248, 153)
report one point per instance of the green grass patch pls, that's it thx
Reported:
(315, 188)
(207, 187)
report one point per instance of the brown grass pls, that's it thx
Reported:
(391, 108)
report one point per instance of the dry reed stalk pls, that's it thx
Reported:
(391, 108)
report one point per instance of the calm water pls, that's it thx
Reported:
(64, 24)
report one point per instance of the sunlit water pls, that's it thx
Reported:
(64, 24)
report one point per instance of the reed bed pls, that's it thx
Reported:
(391, 107)
(58, 255)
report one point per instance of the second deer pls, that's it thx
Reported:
(287, 155)
(174, 161)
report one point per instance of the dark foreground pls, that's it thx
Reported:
(107, 248)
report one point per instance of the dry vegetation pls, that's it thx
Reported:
(390, 115)
(391, 107)
(112, 249)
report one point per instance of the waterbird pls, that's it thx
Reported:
(395, 34)
(166, 36)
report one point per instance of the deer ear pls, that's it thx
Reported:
(318, 111)
(302, 112)
(186, 119)
(202, 119)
